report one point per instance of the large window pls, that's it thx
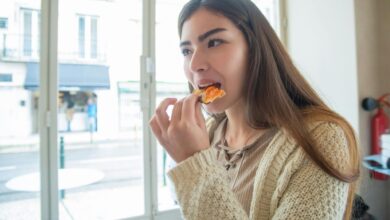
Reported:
(101, 120)
(85, 137)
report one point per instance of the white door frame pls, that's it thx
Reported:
(48, 110)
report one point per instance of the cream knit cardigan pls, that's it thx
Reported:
(288, 184)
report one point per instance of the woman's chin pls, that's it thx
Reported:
(213, 108)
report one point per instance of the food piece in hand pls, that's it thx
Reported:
(209, 94)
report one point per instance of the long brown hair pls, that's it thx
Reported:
(276, 93)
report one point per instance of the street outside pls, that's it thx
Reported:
(118, 195)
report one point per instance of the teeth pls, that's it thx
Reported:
(205, 85)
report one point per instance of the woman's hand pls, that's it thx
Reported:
(185, 134)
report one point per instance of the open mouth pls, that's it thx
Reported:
(203, 87)
(210, 92)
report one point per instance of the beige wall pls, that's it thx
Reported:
(372, 48)
(384, 40)
(384, 61)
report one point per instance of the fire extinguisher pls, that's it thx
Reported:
(380, 124)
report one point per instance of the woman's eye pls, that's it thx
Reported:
(214, 42)
(185, 52)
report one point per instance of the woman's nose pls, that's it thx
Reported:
(198, 62)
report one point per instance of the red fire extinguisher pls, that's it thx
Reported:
(380, 124)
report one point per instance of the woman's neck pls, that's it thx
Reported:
(238, 132)
(237, 123)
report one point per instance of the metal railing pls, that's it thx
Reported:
(19, 47)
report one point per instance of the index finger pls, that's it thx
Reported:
(189, 107)
(165, 103)
(161, 112)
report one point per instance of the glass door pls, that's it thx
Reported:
(19, 98)
(99, 115)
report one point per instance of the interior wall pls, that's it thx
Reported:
(321, 41)
(370, 79)
(384, 41)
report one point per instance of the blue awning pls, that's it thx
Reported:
(80, 76)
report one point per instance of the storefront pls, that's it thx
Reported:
(77, 97)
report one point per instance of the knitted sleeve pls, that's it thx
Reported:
(202, 189)
(311, 193)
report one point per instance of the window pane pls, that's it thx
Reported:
(27, 33)
(270, 9)
(171, 82)
(94, 37)
(99, 117)
(19, 98)
(81, 37)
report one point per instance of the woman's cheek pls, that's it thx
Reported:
(235, 89)
(188, 76)
(186, 69)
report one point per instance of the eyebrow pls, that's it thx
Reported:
(202, 37)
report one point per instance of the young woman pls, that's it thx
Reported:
(272, 148)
